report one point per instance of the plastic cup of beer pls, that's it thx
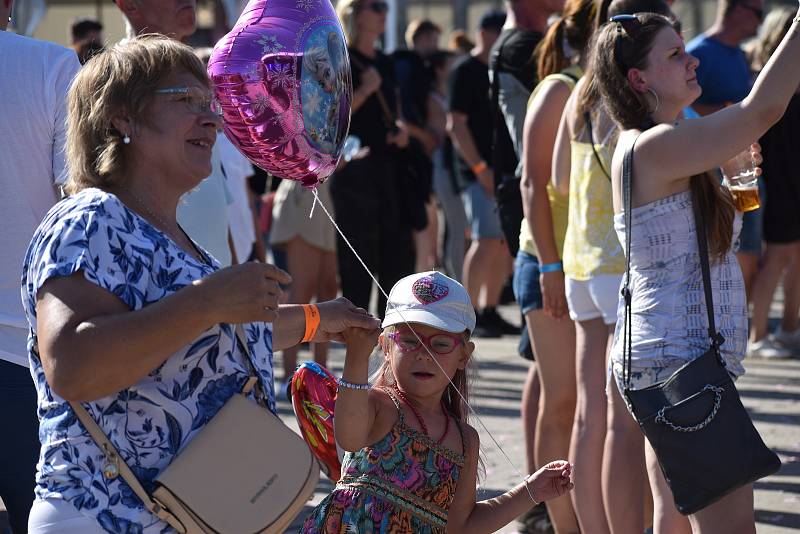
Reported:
(742, 181)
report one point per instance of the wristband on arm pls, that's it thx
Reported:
(312, 321)
(556, 266)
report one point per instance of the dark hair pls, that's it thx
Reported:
(589, 94)
(492, 21)
(619, 49)
(418, 28)
(438, 59)
(83, 27)
(573, 27)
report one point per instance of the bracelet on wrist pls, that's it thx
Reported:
(479, 167)
(553, 267)
(311, 312)
(349, 385)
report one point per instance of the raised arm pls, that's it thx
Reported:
(356, 408)
(689, 147)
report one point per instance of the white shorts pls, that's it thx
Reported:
(57, 516)
(595, 298)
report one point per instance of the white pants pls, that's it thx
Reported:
(56, 516)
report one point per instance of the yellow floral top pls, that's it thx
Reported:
(591, 245)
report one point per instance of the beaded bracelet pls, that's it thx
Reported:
(345, 384)
(551, 267)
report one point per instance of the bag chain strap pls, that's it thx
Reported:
(116, 466)
(715, 337)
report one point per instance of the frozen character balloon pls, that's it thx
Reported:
(282, 77)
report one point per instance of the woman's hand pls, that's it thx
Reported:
(360, 343)
(554, 297)
(551, 481)
(243, 293)
(338, 315)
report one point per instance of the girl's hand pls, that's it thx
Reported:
(551, 481)
(360, 342)
(553, 294)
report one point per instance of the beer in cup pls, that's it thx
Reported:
(742, 181)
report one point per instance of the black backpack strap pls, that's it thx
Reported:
(497, 115)
(587, 118)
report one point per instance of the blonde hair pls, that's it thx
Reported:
(775, 26)
(347, 11)
(121, 81)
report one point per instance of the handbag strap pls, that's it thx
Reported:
(715, 337)
(112, 454)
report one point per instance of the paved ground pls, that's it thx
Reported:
(770, 390)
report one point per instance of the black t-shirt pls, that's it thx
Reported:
(414, 81)
(370, 123)
(517, 56)
(468, 93)
(781, 174)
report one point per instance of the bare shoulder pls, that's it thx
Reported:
(385, 413)
(472, 441)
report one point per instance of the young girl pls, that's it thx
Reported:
(413, 460)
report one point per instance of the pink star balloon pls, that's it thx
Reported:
(282, 77)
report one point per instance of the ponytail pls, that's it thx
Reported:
(550, 51)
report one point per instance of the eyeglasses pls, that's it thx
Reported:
(758, 12)
(197, 100)
(441, 344)
(377, 7)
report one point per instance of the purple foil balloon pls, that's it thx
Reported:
(282, 76)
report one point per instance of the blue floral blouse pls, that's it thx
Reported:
(150, 422)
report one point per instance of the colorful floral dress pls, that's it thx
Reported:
(404, 483)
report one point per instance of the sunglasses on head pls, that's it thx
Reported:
(631, 26)
(377, 7)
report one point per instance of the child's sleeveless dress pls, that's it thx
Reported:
(403, 483)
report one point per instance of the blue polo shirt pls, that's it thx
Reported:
(724, 73)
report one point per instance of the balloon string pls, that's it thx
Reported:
(314, 204)
(522, 477)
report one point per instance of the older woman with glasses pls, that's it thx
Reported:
(128, 316)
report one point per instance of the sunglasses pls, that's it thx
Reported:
(197, 100)
(631, 26)
(441, 344)
(377, 7)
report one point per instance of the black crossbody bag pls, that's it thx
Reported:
(703, 437)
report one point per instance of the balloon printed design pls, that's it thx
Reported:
(314, 391)
(282, 77)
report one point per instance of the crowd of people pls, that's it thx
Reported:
(142, 235)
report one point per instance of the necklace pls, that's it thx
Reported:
(143, 205)
(421, 420)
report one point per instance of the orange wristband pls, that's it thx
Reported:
(312, 321)
(479, 167)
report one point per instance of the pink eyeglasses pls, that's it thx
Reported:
(441, 344)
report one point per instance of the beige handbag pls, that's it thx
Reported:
(245, 472)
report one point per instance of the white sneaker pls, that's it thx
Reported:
(789, 340)
(767, 348)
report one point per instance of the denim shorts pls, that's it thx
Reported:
(526, 286)
(481, 211)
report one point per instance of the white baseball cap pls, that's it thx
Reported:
(432, 299)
